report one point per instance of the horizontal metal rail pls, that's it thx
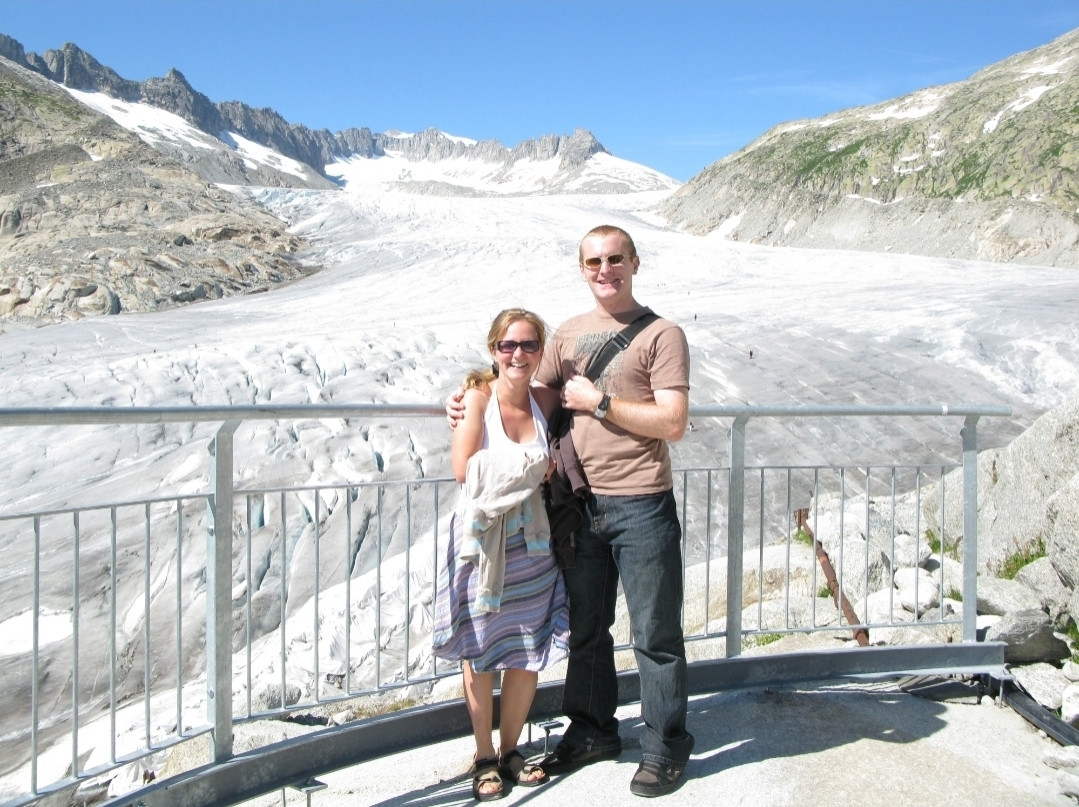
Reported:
(88, 415)
(367, 540)
(101, 415)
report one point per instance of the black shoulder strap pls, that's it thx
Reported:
(617, 343)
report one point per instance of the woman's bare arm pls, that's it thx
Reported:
(468, 434)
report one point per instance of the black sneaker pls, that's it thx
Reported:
(654, 779)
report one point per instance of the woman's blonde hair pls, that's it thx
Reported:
(481, 379)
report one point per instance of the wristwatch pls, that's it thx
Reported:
(601, 408)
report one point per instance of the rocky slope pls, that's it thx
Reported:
(981, 169)
(94, 221)
(906, 563)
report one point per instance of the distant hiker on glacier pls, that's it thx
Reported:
(621, 424)
(501, 602)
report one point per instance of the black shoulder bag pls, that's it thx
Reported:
(564, 494)
(616, 344)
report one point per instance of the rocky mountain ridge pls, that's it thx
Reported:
(982, 169)
(74, 68)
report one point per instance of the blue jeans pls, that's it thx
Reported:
(638, 538)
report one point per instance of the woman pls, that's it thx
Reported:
(501, 603)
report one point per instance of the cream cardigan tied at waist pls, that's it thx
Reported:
(499, 498)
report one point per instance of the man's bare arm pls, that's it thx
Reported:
(665, 419)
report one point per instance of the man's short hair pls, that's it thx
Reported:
(603, 231)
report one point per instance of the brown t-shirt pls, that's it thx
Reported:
(617, 462)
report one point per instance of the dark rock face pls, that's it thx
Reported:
(94, 221)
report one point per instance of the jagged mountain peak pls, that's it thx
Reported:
(177, 76)
(435, 162)
(230, 121)
(76, 69)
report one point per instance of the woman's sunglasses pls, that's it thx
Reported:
(508, 346)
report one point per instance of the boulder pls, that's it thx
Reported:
(1062, 758)
(911, 551)
(883, 606)
(1042, 578)
(792, 612)
(1069, 703)
(998, 596)
(1015, 485)
(918, 590)
(861, 567)
(268, 697)
(1029, 638)
(1062, 513)
(947, 572)
(1043, 682)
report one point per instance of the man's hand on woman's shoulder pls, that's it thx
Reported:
(455, 407)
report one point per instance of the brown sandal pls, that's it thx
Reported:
(485, 772)
(514, 766)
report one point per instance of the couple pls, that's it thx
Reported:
(620, 430)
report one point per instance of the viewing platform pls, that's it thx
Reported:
(777, 719)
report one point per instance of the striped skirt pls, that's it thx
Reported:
(531, 629)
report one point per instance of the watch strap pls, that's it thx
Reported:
(603, 406)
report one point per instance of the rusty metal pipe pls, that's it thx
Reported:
(861, 635)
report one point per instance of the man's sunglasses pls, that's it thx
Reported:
(508, 346)
(612, 260)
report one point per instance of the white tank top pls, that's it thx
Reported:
(494, 435)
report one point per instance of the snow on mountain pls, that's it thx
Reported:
(152, 124)
(158, 127)
(255, 153)
(600, 172)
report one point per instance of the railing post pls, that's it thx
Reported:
(219, 594)
(970, 528)
(736, 500)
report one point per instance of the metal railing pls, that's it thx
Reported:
(278, 640)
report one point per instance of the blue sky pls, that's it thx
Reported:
(672, 84)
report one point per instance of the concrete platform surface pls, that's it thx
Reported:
(831, 744)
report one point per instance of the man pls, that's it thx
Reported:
(620, 429)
